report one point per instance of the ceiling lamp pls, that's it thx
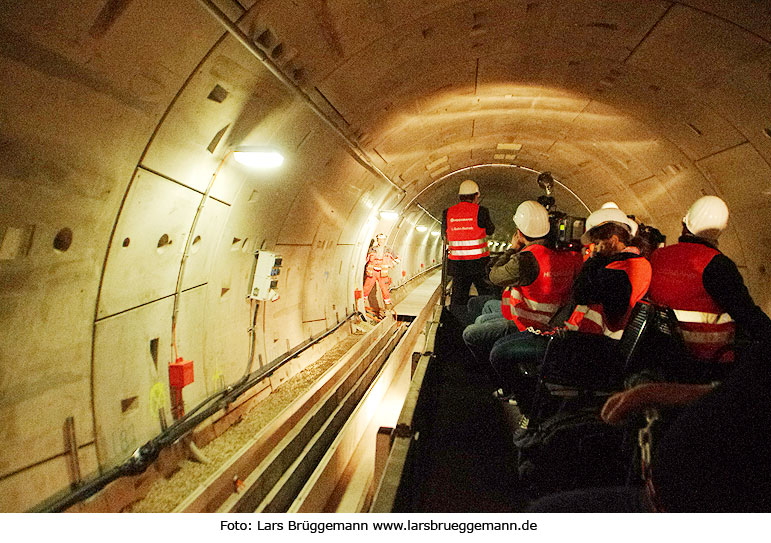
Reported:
(421, 228)
(258, 157)
(389, 215)
(435, 233)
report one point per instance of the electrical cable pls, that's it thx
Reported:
(145, 455)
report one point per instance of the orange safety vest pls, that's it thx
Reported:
(465, 238)
(535, 304)
(590, 318)
(677, 283)
(380, 262)
(586, 251)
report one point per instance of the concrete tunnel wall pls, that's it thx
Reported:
(115, 116)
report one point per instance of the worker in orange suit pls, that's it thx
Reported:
(379, 260)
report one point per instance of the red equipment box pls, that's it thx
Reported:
(180, 373)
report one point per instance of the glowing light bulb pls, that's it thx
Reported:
(389, 215)
(258, 157)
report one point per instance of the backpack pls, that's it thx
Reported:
(573, 450)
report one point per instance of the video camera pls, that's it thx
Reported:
(566, 231)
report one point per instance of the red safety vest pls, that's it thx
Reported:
(586, 251)
(382, 262)
(677, 283)
(591, 318)
(466, 240)
(535, 304)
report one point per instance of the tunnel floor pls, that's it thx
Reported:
(467, 463)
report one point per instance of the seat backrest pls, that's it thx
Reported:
(651, 340)
(642, 318)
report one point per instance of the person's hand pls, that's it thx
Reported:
(619, 406)
(516, 242)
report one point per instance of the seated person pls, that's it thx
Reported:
(537, 280)
(706, 292)
(608, 286)
(612, 281)
(647, 240)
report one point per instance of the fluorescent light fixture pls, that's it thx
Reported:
(258, 157)
(421, 228)
(389, 215)
(434, 233)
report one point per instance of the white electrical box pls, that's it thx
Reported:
(267, 269)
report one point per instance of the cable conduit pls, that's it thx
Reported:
(145, 455)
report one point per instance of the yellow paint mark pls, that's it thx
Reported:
(158, 397)
(219, 380)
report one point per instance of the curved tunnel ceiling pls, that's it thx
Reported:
(117, 118)
(646, 103)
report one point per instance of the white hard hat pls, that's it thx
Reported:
(604, 216)
(380, 235)
(532, 219)
(468, 187)
(707, 217)
(614, 205)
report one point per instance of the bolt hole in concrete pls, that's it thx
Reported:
(767, 132)
(163, 242)
(154, 350)
(126, 242)
(245, 246)
(266, 39)
(196, 244)
(63, 240)
(128, 403)
(218, 94)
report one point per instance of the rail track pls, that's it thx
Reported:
(320, 454)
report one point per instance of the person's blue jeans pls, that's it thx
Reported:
(476, 305)
(509, 355)
(488, 328)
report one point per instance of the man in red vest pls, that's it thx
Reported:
(706, 292)
(537, 280)
(608, 286)
(465, 226)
